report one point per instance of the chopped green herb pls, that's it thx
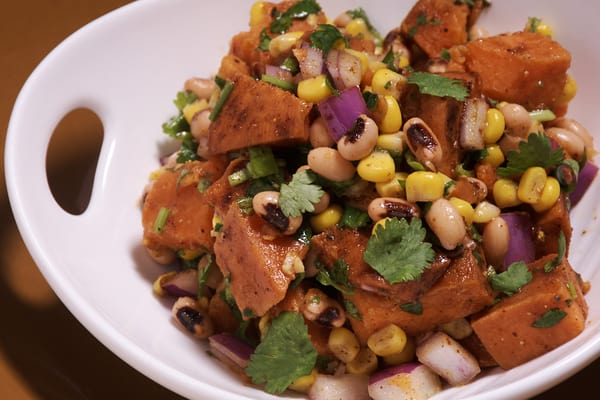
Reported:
(264, 40)
(352, 310)
(370, 99)
(325, 36)
(445, 55)
(182, 174)
(354, 218)
(572, 291)
(337, 277)
(438, 85)
(300, 194)
(284, 355)
(161, 220)
(220, 81)
(390, 60)
(550, 318)
(398, 251)
(299, 278)
(413, 308)
(203, 274)
(448, 187)
(412, 161)
(513, 279)
(532, 24)
(225, 92)
(361, 13)
(184, 98)
(245, 205)
(238, 177)
(550, 265)
(291, 64)
(300, 10)
(262, 162)
(280, 83)
(203, 184)
(535, 151)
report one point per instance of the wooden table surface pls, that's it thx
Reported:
(45, 353)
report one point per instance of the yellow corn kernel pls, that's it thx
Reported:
(156, 173)
(406, 355)
(424, 186)
(264, 323)
(378, 166)
(328, 218)
(392, 118)
(549, 196)
(403, 61)
(544, 29)
(375, 66)
(388, 340)
(393, 187)
(358, 27)
(364, 363)
(485, 212)
(494, 126)
(465, 209)
(569, 91)
(494, 157)
(387, 82)
(505, 193)
(191, 109)
(531, 185)
(314, 89)
(157, 284)
(304, 383)
(257, 13)
(187, 254)
(284, 43)
(364, 60)
(343, 344)
(393, 142)
(381, 222)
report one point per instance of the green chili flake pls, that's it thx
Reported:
(161, 219)
(225, 92)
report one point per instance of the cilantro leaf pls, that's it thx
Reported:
(352, 310)
(354, 218)
(337, 277)
(438, 85)
(300, 10)
(413, 308)
(398, 252)
(535, 151)
(513, 279)
(285, 354)
(550, 265)
(300, 194)
(325, 36)
(550, 318)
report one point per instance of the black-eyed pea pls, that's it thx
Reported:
(390, 207)
(266, 204)
(446, 223)
(360, 141)
(495, 241)
(423, 143)
(190, 316)
(330, 164)
(319, 134)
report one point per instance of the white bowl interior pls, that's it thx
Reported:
(127, 67)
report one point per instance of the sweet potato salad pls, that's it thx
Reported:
(368, 215)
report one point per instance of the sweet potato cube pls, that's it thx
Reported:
(507, 330)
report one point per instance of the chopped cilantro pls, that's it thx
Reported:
(262, 162)
(337, 277)
(550, 318)
(184, 172)
(325, 36)
(445, 55)
(513, 279)
(300, 194)
(284, 355)
(203, 273)
(300, 10)
(562, 245)
(413, 308)
(438, 85)
(370, 99)
(352, 310)
(532, 24)
(535, 151)
(397, 250)
(264, 40)
(184, 98)
(362, 14)
(203, 184)
(354, 218)
(390, 60)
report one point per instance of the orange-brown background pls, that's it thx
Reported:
(44, 352)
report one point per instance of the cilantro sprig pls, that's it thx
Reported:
(398, 250)
(337, 277)
(300, 194)
(535, 151)
(300, 10)
(438, 85)
(513, 279)
(325, 37)
(284, 355)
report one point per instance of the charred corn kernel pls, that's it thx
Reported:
(284, 43)
(494, 126)
(406, 355)
(381, 222)
(549, 196)
(505, 193)
(314, 89)
(392, 118)
(358, 27)
(378, 166)
(264, 323)
(424, 186)
(364, 363)
(328, 218)
(531, 185)
(465, 209)
(494, 156)
(393, 187)
(191, 109)
(157, 284)
(387, 82)
(569, 91)
(343, 344)
(393, 142)
(388, 340)
(364, 60)
(188, 254)
(304, 383)
(257, 13)
(485, 212)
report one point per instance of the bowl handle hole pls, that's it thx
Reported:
(71, 159)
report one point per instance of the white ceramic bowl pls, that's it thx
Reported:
(127, 67)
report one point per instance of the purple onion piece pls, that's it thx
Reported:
(340, 112)
(386, 373)
(183, 283)
(584, 180)
(520, 244)
(230, 348)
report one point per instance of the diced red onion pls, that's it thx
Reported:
(278, 72)
(403, 382)
(310, 60)
(231, 349)
(446, 357)
(472, 124)
(340, 112)
(183, 283)
(344, 68)
(520, 243)
(347, 387)
(584, 180)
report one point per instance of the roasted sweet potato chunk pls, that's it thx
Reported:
(507, 330)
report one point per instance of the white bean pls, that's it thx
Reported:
(578, 129)
(569, 141)
(495, 241)
(202, 88)
(200, 123)
(319, 134)
(330, 164)
(517, 119)
(447, 223)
